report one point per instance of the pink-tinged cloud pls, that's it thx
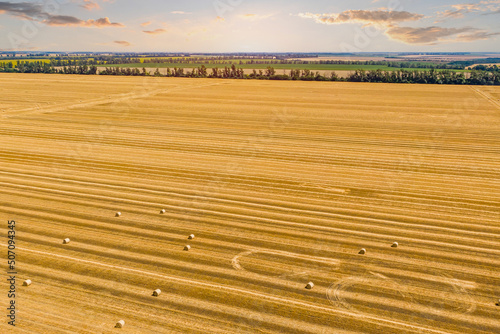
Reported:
(380, 17)
(460, 10)
(123, 43)
(62, 20)
(155, 32)
(389, 22)
(35, 12)
(103, 22)
(145, 24)
(433, 35)
(255, 17)
(479, 35)
(90, 5)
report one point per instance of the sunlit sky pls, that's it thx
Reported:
(250, 25)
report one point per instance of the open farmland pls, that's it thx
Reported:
(248, 66)
(278, 67)
(27, 60)
(282, 183)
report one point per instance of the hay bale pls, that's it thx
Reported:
(310, 285)
(66, 241)
(187, 248)
(191, 237)
(498, 304)
(156, 293)
(120, 324)
(395, 245)
(27, 282)
(118, 214)
(162, 211)
(362, 251)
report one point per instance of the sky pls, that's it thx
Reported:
(218, 26)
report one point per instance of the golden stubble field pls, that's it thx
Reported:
(282, 183)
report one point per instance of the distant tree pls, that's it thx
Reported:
(203, 71)
(270, 71)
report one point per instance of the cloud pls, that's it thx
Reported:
(379, 17)
(90, 5)
(494, 12)
(255, 17)
(219, 19)
(478, 35)
(103, 22)
(35, 12)
(389, 22)
(123, 43)
(433, 35)
(155, 32)
(460, 10)
(23, 10)
(62, 20)
(179, 12)
(145, 24)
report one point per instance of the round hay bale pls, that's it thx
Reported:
(310, 285)
(66, 241)
(498, 304)
(27, 282)
(156, 293)
(162, 211)
(191, 237)
(187, 247)
(362, 251)
(120, 324)
(395, 245)
(118, 214)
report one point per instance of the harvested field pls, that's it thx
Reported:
(281, 182)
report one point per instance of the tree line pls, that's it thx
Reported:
(489, 68)
(476, 77)
(398, 76)
(467, 63)
(43, 67)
